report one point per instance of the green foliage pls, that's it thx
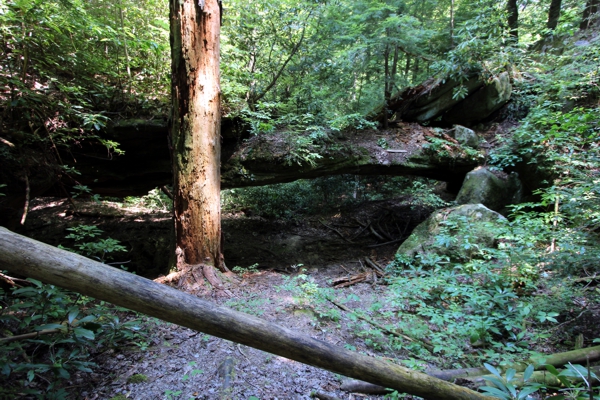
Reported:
(77, 325)
(156, 199)
(505, 389)
(67, 68)
(576, 382)
(80, 327)
(251, 305)
(99, 249)
(304, 197)
(251, 269)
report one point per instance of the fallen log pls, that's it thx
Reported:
(543, 377)
(477, 376)
(34, 259)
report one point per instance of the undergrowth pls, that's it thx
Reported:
(51, 335)
(309, 197)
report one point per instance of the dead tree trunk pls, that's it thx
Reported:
(195, 135)
(34, 259)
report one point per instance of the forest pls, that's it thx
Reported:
(331, 199)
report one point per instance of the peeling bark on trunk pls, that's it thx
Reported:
(195, 134)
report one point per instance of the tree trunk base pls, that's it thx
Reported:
(198, 279)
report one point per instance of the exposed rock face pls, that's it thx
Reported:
(482, 103)
(437, 98)
(271, 158)
(469, 226)
(410, 149)
(493, 191)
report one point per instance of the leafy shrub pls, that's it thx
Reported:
(154, 200)
(306, 197)
(70, 329)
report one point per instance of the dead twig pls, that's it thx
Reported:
(6, 142)
(364, 228)
(239, 347)
(371, 246)
(345, 269)
(375, 266)
(375, 232)
(13, 281)
(349, 281)
(29, 335)
(336, 231)
(383, 231)
(167, 192)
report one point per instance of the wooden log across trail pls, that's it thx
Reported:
(34, 259)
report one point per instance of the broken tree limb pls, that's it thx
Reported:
(356, 386)
(375, 266)
(580, 356)
(28, 257)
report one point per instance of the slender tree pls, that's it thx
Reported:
(512, 9)
(553, 14)
(589, 13)
(195, 135)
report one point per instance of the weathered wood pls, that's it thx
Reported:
(34, 259)
(477, 376)
(544, 377)
(356, 386)
(196, 133)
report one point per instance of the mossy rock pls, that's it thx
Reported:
(472, 224)
(481, 186)
(465, 136)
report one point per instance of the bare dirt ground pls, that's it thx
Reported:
(183, 364)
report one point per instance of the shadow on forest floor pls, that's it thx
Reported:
(272, 255)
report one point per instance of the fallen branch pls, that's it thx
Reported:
(364, 228)
(166, 191)
(383, 328)
(336, 231)
(12, 282)
(371, 246)
(374, 232)
(31, 335)
(544, 377)
(71, 271)
(6, 142)
(356, 386)
(351, 280)
(317, 394)
(375, 266)
(226, 374)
